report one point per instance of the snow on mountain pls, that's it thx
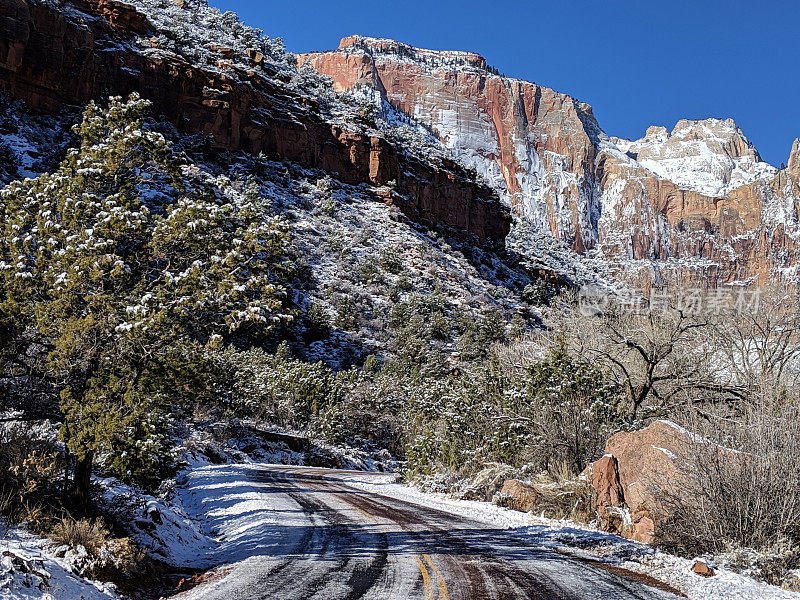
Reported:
(709, 156)
(693, 193)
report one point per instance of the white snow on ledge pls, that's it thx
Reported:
(709, 156)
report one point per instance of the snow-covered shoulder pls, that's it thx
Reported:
(586, 542)
(30, 569)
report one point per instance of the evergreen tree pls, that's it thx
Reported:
(574, 405)
(133, 264)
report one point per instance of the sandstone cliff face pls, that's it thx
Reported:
(699, 196)
(793, 165)
(93, 48)
(526, 140)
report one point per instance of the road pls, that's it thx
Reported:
(347, 543)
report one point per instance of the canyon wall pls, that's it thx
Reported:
(90, 49)
(698, 198)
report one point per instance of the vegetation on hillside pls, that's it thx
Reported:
(140, 290)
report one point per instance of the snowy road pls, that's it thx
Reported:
(328, 539)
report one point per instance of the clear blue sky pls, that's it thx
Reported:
(637, 62)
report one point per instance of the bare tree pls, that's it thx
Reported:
(757, 344)
(660, 357)
(744, 487)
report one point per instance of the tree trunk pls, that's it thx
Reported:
(81, 478)
(66, 485)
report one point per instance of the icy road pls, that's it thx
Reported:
(299, 532)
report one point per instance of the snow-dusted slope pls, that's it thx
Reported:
(31, 570)
(710, 156)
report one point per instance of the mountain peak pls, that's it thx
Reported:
(550, 161)
(794, 160)
(711, 156)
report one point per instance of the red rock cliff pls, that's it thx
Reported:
(51, 57)
(731, 216)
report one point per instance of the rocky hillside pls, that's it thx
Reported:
(379, 210)
(438, 134)
(697, 200)
(238, 89)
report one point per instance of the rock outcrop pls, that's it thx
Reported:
(640, 475)
(699, 196)
(51, 56)
(521, 496)
(608, 492)
(702, 568)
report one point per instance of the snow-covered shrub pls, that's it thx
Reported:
(575, 407)
(503, 500)
(280, 389)
(564, 496)
(317, 322)
(538, 293)
(346, 313)
(418, 322)
(551, 411)
(308, 80)
(479, 334)
(196, 29)
(779, 565)
(324, 200)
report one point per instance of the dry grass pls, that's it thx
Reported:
(107, 558)
(564, 499)
(123, 559)
(559, 494)
(91, 534)
(29, 470)
(748, 496)
(777, 565)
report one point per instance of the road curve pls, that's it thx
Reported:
(347, 543)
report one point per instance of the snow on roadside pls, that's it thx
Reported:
(29, 570)
(586, 542)
(159, 525)
(231, 513)
(215, 515)
(180, 526)
(242, 512)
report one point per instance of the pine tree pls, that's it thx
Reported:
(133, 263)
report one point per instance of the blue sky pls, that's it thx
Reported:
(638, 63)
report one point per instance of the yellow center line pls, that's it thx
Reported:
(443, 595)
(426, 579)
